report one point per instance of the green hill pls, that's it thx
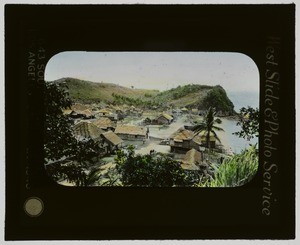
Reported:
(90, 92)
(190, 96)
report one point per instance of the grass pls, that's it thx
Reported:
(88, 92)
(235, 171)
(91, 92)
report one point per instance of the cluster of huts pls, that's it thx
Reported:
(161, 119)
(185, 141)
(110, 137)
(100, 125)
(80, 111)
(103, 126)
(108, 141)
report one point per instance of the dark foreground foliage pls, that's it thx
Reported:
(153, 170)
(65, 157)
(236, 170)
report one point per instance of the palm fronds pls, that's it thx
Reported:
(208, 126)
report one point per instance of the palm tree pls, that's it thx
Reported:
(208, 126)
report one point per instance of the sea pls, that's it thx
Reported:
(229, 140)
(239, 99)
(244, 99)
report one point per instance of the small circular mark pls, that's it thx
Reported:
(33, 206)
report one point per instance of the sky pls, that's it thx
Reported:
(235, 72)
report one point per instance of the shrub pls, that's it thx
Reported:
(152, 170)
(236, 170)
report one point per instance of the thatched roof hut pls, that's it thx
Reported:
(112, 138)
(203, 136)
(180, 141)
(191, 159)
(86, 130)
(182, 134)
(195, 111)
(79, 107)
(105, 110)
(67, 112)
(164, 118)
(87, 113)
(184, 109)
(131, 132)
(104, 123)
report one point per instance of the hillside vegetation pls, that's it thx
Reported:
(190, 96)
(91, 92)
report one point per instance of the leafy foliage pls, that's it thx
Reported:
(59, 141)
(236, 170)
(86, 150)
(110, 178)
(152, 170)
(78, 174)
(249, 122)
(70, 171)
(217, 98)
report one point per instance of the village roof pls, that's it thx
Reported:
(82, 120)
(203, 136)
(115, 107)
(87, 112)
(131, 129)
(182, 134)
(105, 110)
(104, 123)
(67, 112)
(86, 130)
(79, 107)
(73, 113)
(198, 139)
(191, 158)
(112, 137)
(167, 116)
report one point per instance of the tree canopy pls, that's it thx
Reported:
(217, 98)
(65, 157)
(152, 170)
(58, 139)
